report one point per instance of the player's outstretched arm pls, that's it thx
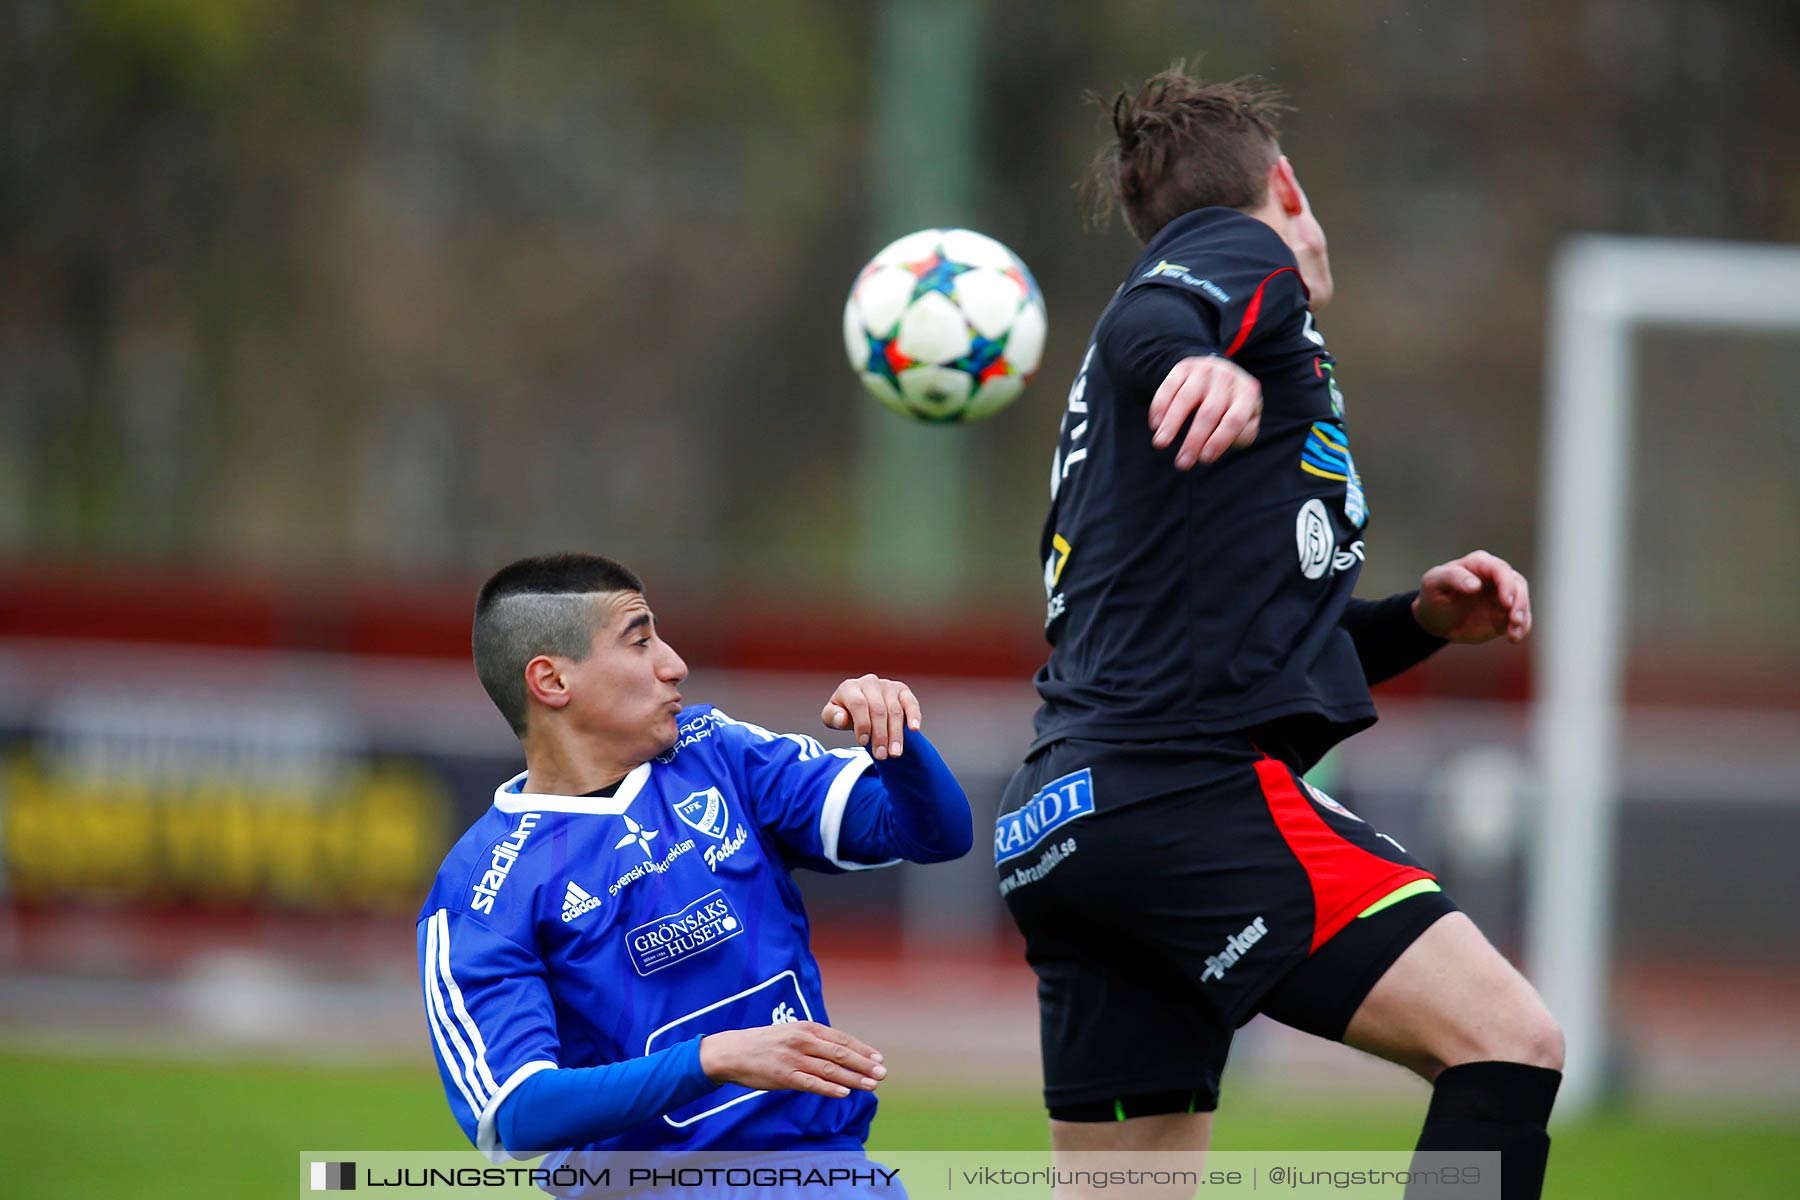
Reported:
(800, 1056)
(577, 1106)
(1223, 400)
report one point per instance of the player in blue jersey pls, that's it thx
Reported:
(1171, 870)
(615, 956)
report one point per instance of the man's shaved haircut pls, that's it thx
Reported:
(542, 605)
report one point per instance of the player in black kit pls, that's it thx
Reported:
(1171, 871)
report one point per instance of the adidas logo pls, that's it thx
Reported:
(577, 902)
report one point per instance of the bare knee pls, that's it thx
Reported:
(1528, 1035)
(1543, 1046)
(1451, 998)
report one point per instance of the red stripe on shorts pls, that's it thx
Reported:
(1345, 878)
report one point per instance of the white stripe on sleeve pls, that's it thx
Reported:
(831, 814)
(810, 747)
(434, 1010)
(438, 953)
(462, 1012)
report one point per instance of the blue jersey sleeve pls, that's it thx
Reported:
(490, 1017)
(797, 789)
(558, 1110)
(909, 807)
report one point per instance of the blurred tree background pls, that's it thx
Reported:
(408, 289)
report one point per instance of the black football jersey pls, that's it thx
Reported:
(1212, 600)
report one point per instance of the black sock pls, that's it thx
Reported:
(1500, 1106)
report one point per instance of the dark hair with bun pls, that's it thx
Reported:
(1180, 144)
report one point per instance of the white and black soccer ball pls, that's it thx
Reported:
(945, 325)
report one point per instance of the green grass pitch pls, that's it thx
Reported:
(79, 1127)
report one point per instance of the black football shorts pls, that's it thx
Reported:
(1169, 891)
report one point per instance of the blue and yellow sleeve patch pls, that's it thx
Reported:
(1327, 455)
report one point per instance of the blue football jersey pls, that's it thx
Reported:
(568, 931)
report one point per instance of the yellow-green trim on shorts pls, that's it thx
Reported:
(1417, 887)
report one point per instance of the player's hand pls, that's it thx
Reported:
(800, 1056)
(1475, 598)
(880, 710)
(1224, 400)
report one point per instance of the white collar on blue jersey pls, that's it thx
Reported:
(508, 797)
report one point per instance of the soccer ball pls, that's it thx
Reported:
(945, 325)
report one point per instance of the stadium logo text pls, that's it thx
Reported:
(1056, 804)
(1236, 947)
(506, 854)
(697, 928)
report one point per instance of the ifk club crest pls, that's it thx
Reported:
(706, 812)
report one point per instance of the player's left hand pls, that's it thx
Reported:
(880, 710)
(1475, 598)
(1224, 400)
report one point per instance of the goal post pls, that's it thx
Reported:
(1606, 291)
